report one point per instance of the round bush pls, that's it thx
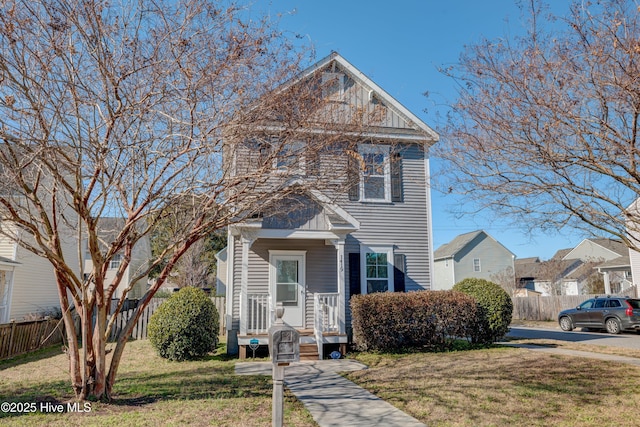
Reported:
(495, 306)
(185, 326)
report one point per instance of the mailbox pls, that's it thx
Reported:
(284, 341)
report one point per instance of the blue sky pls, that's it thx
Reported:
(400, 45)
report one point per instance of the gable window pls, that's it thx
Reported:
(332, 85)
(375, 175)
(476, 265)
(377, 269)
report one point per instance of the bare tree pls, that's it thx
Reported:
(119, 109)
(506, 279)
(546, 128)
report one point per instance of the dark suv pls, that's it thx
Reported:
(615, 314)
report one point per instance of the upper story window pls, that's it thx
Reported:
(115, 262)
(375, 175)
(476, 265)
(291, 158)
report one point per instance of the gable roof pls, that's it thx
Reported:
(449, 250)
(336, 60)
(616, 247)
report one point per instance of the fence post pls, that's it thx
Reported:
(11, 336)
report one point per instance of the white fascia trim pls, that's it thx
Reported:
(296, 234)
(337, 209)
(394, 136)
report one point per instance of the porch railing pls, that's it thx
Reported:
(326, 317)
(259, 313)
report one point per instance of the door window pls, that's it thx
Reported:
(287, 281)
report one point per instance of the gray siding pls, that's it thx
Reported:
(494, 258)
(401, 224)
(320, 277)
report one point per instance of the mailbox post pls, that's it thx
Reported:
(284, 348)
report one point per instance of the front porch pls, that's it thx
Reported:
(328, 325)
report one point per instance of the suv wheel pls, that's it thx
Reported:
(613, 326)
(565, 324)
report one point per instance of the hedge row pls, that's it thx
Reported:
(427, 319)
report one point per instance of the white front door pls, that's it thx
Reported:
(287, 284)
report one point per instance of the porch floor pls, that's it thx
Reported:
(308, 345)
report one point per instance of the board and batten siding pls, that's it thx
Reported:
(320, 277)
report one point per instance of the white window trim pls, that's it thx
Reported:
(385, 150)
(300, 166)
(388, 249)
(115, 262)
(479, 270)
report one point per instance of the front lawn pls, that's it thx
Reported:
(149, 391)
(504, 387)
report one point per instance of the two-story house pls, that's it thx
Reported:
(371, 233)
(475, 254)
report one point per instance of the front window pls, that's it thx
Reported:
(476, 265)
(375, 173)
(377, 270)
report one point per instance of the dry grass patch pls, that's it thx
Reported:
(504, 386)
(149, 391)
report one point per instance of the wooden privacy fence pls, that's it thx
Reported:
(23, 337)
(140, 330)
(545, 308)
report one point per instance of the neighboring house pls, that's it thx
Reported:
(141, 254)
(611, 259)
(27, 282)
(570, 271)
(474, 254)
(370, 237)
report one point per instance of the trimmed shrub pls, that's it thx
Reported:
(424, 320)
(495, 307)
(185, 326)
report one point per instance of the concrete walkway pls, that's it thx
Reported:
(331, 399)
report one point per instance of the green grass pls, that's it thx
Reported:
(149, 391)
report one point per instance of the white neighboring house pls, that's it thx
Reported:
(140, 257)
(27, 281)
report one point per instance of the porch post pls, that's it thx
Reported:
(244, 283)
(607, 283)
(339, 244)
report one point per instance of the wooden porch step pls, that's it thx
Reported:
(308, 352)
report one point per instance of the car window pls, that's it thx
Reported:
(635, 303)
(600, 303)
(613, 303)
(587, 304)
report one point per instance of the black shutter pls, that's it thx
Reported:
(353, 177)
(354, 273)
(398, 272)
(396, 177)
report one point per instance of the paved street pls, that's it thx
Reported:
(625, 340)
